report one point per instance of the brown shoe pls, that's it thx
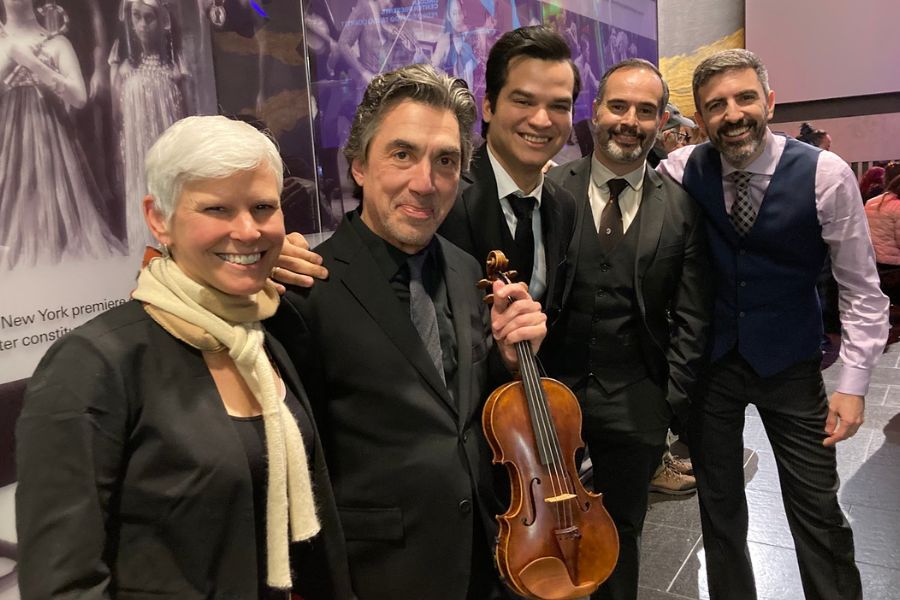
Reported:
(671, 482)
(681, 465)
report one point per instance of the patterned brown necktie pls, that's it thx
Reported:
(611, 230)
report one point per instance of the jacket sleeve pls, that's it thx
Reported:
(70, 446)
(689, 316)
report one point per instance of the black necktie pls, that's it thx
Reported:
(523, 208)
(611, 229)
(422, 312)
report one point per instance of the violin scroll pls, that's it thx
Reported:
(495, 267)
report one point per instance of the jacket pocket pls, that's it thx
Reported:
(372, 524)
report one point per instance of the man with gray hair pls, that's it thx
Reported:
(632, 333)
(775, 208)
(395, 346)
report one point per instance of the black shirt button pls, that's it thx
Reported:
(465, 506)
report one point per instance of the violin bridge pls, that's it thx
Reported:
(560, 498)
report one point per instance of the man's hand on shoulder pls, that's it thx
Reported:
(517, 322)
(845, 416)
(297, 264)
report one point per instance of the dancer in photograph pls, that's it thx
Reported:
(147, 80)
(452, 53)
(47, 192)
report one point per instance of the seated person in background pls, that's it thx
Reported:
(883, 214)
(872, 183)
(166, 448)
(814, 137)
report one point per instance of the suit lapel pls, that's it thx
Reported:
(483, 206)
(458, 293)
(653, 213)
(364, 281)
(577, 180)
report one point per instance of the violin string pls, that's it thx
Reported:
(564, 483)
(548, 439)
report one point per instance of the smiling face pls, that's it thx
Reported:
(410, 175)
(735, 111)
(224, 233)
(532, 117)
(627, 119)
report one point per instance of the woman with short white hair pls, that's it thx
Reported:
(167, 447)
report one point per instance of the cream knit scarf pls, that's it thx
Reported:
(212, 321)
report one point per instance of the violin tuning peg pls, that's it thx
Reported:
(484, 284)
(488, 299)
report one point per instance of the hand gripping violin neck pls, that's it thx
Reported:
(556, 540)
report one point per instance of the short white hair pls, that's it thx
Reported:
(209, 147)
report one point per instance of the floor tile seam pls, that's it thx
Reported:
(691, 553)
(667, 526)
(871, 564)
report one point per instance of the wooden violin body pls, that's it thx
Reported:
(556, 541)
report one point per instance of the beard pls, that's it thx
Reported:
(737, 153)
(619, 154)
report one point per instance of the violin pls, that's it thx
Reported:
(556, 540)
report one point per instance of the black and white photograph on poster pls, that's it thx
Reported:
(86, 86)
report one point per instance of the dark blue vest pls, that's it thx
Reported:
(766, 301)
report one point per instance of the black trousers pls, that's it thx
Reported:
(793, 407)
(625, 432)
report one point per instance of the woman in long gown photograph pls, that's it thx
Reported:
(47, 191)
(148, 95)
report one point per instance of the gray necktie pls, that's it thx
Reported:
(743, 215)
(421, 309)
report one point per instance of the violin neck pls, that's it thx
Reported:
(541, 422)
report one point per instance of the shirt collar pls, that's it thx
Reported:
(765, 163)
(601, 175)
(505, 183)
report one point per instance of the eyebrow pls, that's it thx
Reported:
(407, 145)
(529, 95)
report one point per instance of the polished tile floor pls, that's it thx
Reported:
(673, 565)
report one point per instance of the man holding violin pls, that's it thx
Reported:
(395, 351)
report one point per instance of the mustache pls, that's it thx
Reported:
(627, 130)
(731, 127)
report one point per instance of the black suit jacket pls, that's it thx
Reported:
(410, 467)
(672, 285)
(134, 483)
(475, 220)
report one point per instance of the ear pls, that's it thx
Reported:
(663, 120)
(156, 221)
(486, 110)
(770, 104)
(595, 111)
(358, 170)
(698, 119)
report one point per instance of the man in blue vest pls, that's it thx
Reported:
(775, 209)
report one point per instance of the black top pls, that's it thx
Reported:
(252, 432)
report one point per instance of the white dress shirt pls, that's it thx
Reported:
(629, 199)
(506, 186)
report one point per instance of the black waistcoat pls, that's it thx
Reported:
(604, 322)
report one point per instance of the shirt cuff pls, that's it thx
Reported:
(853, 380)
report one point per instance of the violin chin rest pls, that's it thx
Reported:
(548, 578)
